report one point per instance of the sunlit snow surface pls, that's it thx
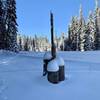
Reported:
(21, 77)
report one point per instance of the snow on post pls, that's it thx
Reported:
(60, 61)
(53, 66)
(47, 57)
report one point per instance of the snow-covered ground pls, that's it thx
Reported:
(21, 77)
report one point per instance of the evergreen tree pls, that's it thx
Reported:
(81, 31)
(97, 25)
(20, 43)
(85, 36)
(62, 44)
(55, 40)
(33, 44)
(36, 43)
(76, 36)
(88, 39)
(2, 26)
(73, 34)
(68, 40)
(90, 33)
(67, 44)
(11, 25)
(26, 47)
(69, 32)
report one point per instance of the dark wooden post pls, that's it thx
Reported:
(53, 48)
(55, 68)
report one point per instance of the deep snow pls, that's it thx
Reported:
(53, 66)
(21, 77)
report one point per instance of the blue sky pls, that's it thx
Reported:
(33, 15)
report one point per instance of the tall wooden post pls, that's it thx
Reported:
(53, 48)
(55, 69)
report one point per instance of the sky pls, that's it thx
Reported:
(34, 15)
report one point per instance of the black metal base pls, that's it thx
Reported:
(53, 77)
(61, 73)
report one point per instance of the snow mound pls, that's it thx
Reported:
(53, 66)
(47, 55)
(60, 61)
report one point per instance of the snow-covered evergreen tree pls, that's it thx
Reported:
(75, 40)
(97, 24)
(81, 30)
(2, 26)
(69, 33)
(85, 36)
(73, 34)
(20, 43)
(11, 25)
(62, 42)
(36, 43)
(68, 41)
(90, 33)
(33, 44)
(26, 46)
(56, 41)
(67, 45)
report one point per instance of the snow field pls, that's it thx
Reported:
(21, 77)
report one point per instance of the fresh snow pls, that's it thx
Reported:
(60, 61)
(53, 66)
(47, 55)
(21, 77)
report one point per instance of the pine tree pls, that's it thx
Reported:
(69, 32)
(2, 26)
(67, 45)
(97, 25)
(88, 39)
(73, 34)
(62, 42)
(11, 25)
(20, 43)
(36, 43)
(90, 33)
(76, 35)
(68, 40)
(26, 47)
(85, 36)
(33, 44)
(81, 30)
(55, 40)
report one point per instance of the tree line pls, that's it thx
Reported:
(29, 43)
(84, 35)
